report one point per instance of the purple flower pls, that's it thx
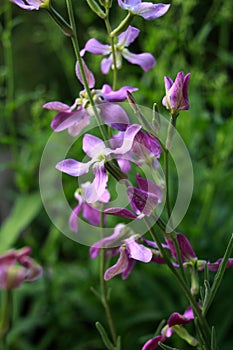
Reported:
(31, 4)
(147, 10)
(89, 212)
(174, 323)
(176, 98)
(189, 256)
(128, 248)
(145, 60)
(76, 117)
(17, 267)
(146, 197)
(143, 200)
(99, 154)
(145, 147)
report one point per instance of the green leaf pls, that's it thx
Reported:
(24, 210)
(218, 277)
(104, 336)
(213, 340)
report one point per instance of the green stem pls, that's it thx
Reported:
(166, 171)
(170, 134)
(74, 39)
(6, 316)
(104, 289)
(111, 39)
(202, 321)
(123, 25)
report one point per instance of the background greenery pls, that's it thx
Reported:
(36, 66)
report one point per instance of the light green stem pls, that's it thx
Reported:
(104, 289)
(111, 39)
(74, 39)
(6, 317)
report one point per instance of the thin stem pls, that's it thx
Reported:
(170, 133)
(111, 39)
(104, 289)
(6, 317)
(74, 39)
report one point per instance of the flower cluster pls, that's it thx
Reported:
(127, 147)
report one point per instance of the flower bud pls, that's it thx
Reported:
(176, 98)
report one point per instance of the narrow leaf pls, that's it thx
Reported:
(213, 340)
(24, 210)
(104, 336)
(219, 276)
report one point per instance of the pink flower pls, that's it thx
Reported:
(145, 60)
(175, 321)
(76, 117)
(122, 242)
(17, 267)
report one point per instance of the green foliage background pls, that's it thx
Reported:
(36, 66)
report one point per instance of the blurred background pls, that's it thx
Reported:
(36, 66)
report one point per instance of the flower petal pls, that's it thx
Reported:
(116, 95)
(93, 146)
(73, 167)
(89, 75)
(150, 11)
(145, 60)
(107, 242)
(149, 186)
(141, 201)
(21, 4)
(95, 190)
(106, 64)
(153, 343)
(73, 219)
(125, 274)
(96, 47)
(91, 214)
(57, 106)
(76, 128)
(138, 251)
(127, 37)
(114, 115)
(65, 120)
(121, 212)
(128, 139)
(186, 250)
(120, 266)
